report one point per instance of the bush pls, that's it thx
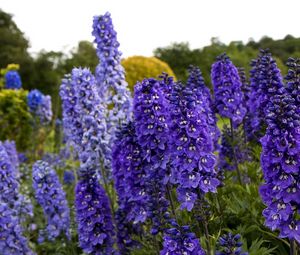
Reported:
(138, 67)
(15, 118)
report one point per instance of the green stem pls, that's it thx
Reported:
(171, 202)
(234, 155)
(293, 247)
(106, 186)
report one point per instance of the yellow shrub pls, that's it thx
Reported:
(138, 67)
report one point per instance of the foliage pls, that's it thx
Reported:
(138, 68)
(15, 119)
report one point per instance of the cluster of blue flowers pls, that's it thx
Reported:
(40, 105)
(192, 159)
(12, 240)
(265, 78)
(180, 240)
(51, 197)
(280, 164)
(128, 175)
(230, 244)
(93, 214)
(151, 118)
(12, 80)
(228, 90)
(196, 83)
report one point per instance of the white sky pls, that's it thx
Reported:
(143, 25)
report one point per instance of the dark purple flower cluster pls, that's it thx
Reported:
(280, 165)
(293, 80)
(180, 240)
(151, 124)
(230, 244)
(93, 214)
(192, 157)
(227, 90)
(196, 83)
(13, 80)
(110, 74)
(52, 198)
(12, 240)
(128, 175)
(265, 79)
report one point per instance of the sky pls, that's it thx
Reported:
(143, 25)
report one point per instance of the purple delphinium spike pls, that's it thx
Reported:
(293, 80)
(265, 78)
(93, 214)
(8, 178)
(192, 157)
(228, 96)
(10, 147)
(71, 122)
(93, 142)
(12, 240)
(230, 244)
(12, 80)
(52, 198)
(280, 164)
(180, 240)
(151, 124)
(196, 83)
(128, 174)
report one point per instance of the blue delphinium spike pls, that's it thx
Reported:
(230, 244)
(93, 214)
(51, 197)
(180, 240)
(280, 163)
(228, 95)
(151, 124)
(192, 158)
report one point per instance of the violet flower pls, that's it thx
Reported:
(52, 198)
(228, 95)
(93, 214)
(230, 244)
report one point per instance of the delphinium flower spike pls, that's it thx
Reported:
(34, 99)
(228, 95)
(180, 240)
(51, 197)
(10, 147)
(71, 121)
(92, 146)
(280, 164)
(196, 83)
(13, 80)
(128, 174)
(111, 83)
(293, 79)
(44, 111)
(192, 157)
(93, 214)
(265, 78)
(230, 244)
(12, 240)
(151, 124)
